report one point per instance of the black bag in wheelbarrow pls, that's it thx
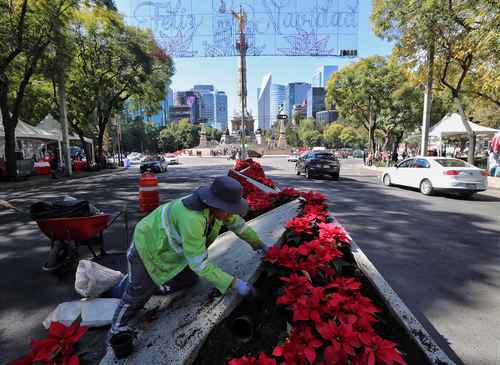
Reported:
(62, 208)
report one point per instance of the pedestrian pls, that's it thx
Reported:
(169, 249)
(364, 157)
(493, 162)
(370, 159)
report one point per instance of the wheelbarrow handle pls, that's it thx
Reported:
(7, 205)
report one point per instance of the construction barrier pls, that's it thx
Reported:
(149, 197)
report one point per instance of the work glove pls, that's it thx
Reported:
(243, 288)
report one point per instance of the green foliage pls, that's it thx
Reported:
(292, 137)
(331, 135)
(177, 136)
(312, 138)
(213, 134)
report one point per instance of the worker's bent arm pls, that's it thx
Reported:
(237, 225)
(195, 251)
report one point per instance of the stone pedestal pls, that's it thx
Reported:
(203, 138)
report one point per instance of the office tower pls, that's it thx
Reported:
(162, 117)
(264, 103)
(221, 114)
(322, 75)
(315, 101)
(277, 102)
(207, 105)
(187, 105)
(296, 94)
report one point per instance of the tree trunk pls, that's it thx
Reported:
(470, 133)
(10, 145)
(426, 120)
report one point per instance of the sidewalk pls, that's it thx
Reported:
(493, 182)
(44, 180)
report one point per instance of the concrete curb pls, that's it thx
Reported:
(185, 320)
(399, 310)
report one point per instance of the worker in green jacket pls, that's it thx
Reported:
(169, 249)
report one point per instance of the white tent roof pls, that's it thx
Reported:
(51, 125)
(451, 124)
(24, 130)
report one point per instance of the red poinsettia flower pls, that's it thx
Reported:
(332, 232)
(313, 197)
(379, 351)
(58, 348)
(263, 359)
(344, 285)
(300, 225)
(290, 193)
(343, 341)
(300, 348)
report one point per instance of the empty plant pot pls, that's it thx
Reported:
(243, 328)
(122, 344)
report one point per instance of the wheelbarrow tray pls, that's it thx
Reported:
(77, 229)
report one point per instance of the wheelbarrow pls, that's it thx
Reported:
(68, 234)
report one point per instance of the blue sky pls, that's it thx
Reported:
(222, 72)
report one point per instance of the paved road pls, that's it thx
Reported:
(440, 254)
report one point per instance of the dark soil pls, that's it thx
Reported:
(270, 325)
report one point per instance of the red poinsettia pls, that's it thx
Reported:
(379, 351)
(332, 232)
(58, 348)
(296, 287)
(300, 225)
(290, 193)
(313, 197)
(342, 339)
(263, 359)
(259, 201)
(300, 348)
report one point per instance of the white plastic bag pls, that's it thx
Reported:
(93, 279)
(95, 312)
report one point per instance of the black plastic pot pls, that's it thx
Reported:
(243, 328)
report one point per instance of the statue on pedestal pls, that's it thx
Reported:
(203, 138)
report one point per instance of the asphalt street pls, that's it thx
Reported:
(441, 254)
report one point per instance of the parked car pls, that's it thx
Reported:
(171, 158)
(318, 163)
(432, 174)
(154, 163)
(293, 157)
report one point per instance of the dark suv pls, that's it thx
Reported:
(318, 164)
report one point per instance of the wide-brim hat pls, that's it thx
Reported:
(224, 193)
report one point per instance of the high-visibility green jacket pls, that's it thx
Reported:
(173, 237)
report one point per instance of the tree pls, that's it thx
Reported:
(331, 135)
(349, 137)
(213, 134)
(292, 137)
(182, 135)
(26, 30)
(113, 63)
(312, 138)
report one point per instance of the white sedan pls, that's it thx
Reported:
(171, 158)
(431, 174)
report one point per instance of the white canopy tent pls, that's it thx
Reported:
(451, 126)
(52, 126)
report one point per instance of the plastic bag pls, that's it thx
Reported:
(95, 312)
(93, 279)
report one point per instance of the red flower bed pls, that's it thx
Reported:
(254, 170)
(332, 321)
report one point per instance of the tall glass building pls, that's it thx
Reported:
(315, 101)
(207, 107)
(221, 114)
(322, 75)
(277, 101)
(296, 94)
(264, 103)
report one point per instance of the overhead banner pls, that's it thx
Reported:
(208, 28)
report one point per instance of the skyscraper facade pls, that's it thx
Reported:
(221, 114)
(277, 101)
(323, 74)
(264, 103)
(187, 105)
(296, 94)
(207, 105)
(315, 101)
